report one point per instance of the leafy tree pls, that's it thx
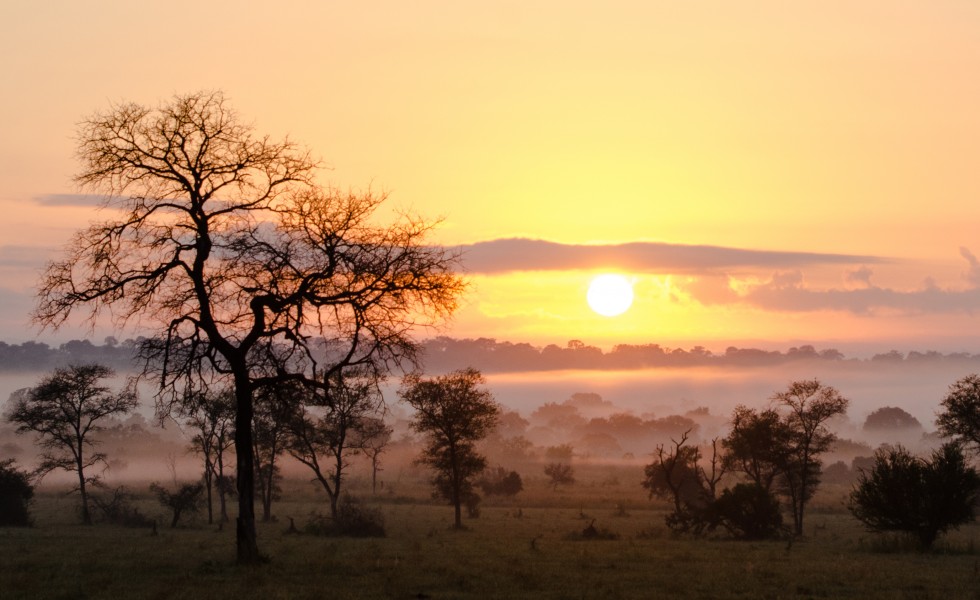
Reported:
(924, 498)
(890, 418)
(808, 405)
(960, 415)
(758, 445)
(251, 270)
(454, 413)
(64, 409)
(336, 433)
(559, 474)
(185, 499)
(16, 492)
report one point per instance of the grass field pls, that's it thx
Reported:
(421, 557)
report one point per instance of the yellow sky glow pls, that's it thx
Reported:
(832, 127)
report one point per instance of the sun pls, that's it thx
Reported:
(610, 295)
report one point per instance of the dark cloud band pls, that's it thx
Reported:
(521, 254)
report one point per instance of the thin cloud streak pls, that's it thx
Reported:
(70, 200)
(522, 254)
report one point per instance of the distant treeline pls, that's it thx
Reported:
(444, 354)
(37, 356)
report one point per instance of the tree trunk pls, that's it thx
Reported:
(86, 516)
(208, 480)
(221, 489)
(245, 535)
(374, 474)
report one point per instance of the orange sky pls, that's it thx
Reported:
(832, 128)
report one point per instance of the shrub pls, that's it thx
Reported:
(749, 512)
(16, 492)
(354, 519)
(501, 483)
(117, 508)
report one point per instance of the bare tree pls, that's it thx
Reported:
(212, 416)
(275, 408)
(454, 413)
(375, 435)
(336, 433)
(222, 237)
(63, 410)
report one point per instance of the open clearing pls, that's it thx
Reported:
(422, 558)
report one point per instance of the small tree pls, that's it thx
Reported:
(559, 474)
(924, 498)
(333, 431)
(960, 416)
(275, 408)
(212, 417)
(16, 492)
(64, 410)
(375, 437)
(808, 405)
(185, 499)
(454, 413)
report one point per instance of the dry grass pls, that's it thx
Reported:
(520, 548)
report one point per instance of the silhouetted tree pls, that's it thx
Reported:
(809, 405)
(16, 492)
(375, 435)
(677, 475)
(559, 474)
(758, 445)
(222, 238)
(889, 418)
(960, 414)
(336, 433)
(924, 498)
(211, 415)
(275, 408)
(454, 413)
(64, 409)
(185, 499)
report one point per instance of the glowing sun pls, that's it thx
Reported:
(610, 295)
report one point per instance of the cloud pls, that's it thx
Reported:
(973, 273)
(787, 291)
(522, 254)
(70, 200)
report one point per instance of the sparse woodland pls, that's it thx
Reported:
(283, 312)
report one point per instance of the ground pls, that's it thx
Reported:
(421, 557)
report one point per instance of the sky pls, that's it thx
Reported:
(765, 174)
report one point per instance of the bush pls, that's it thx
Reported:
(354, 519)
(749, 512)
(923, 498)
(501, 483)
(16, 492)
(117, 508)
